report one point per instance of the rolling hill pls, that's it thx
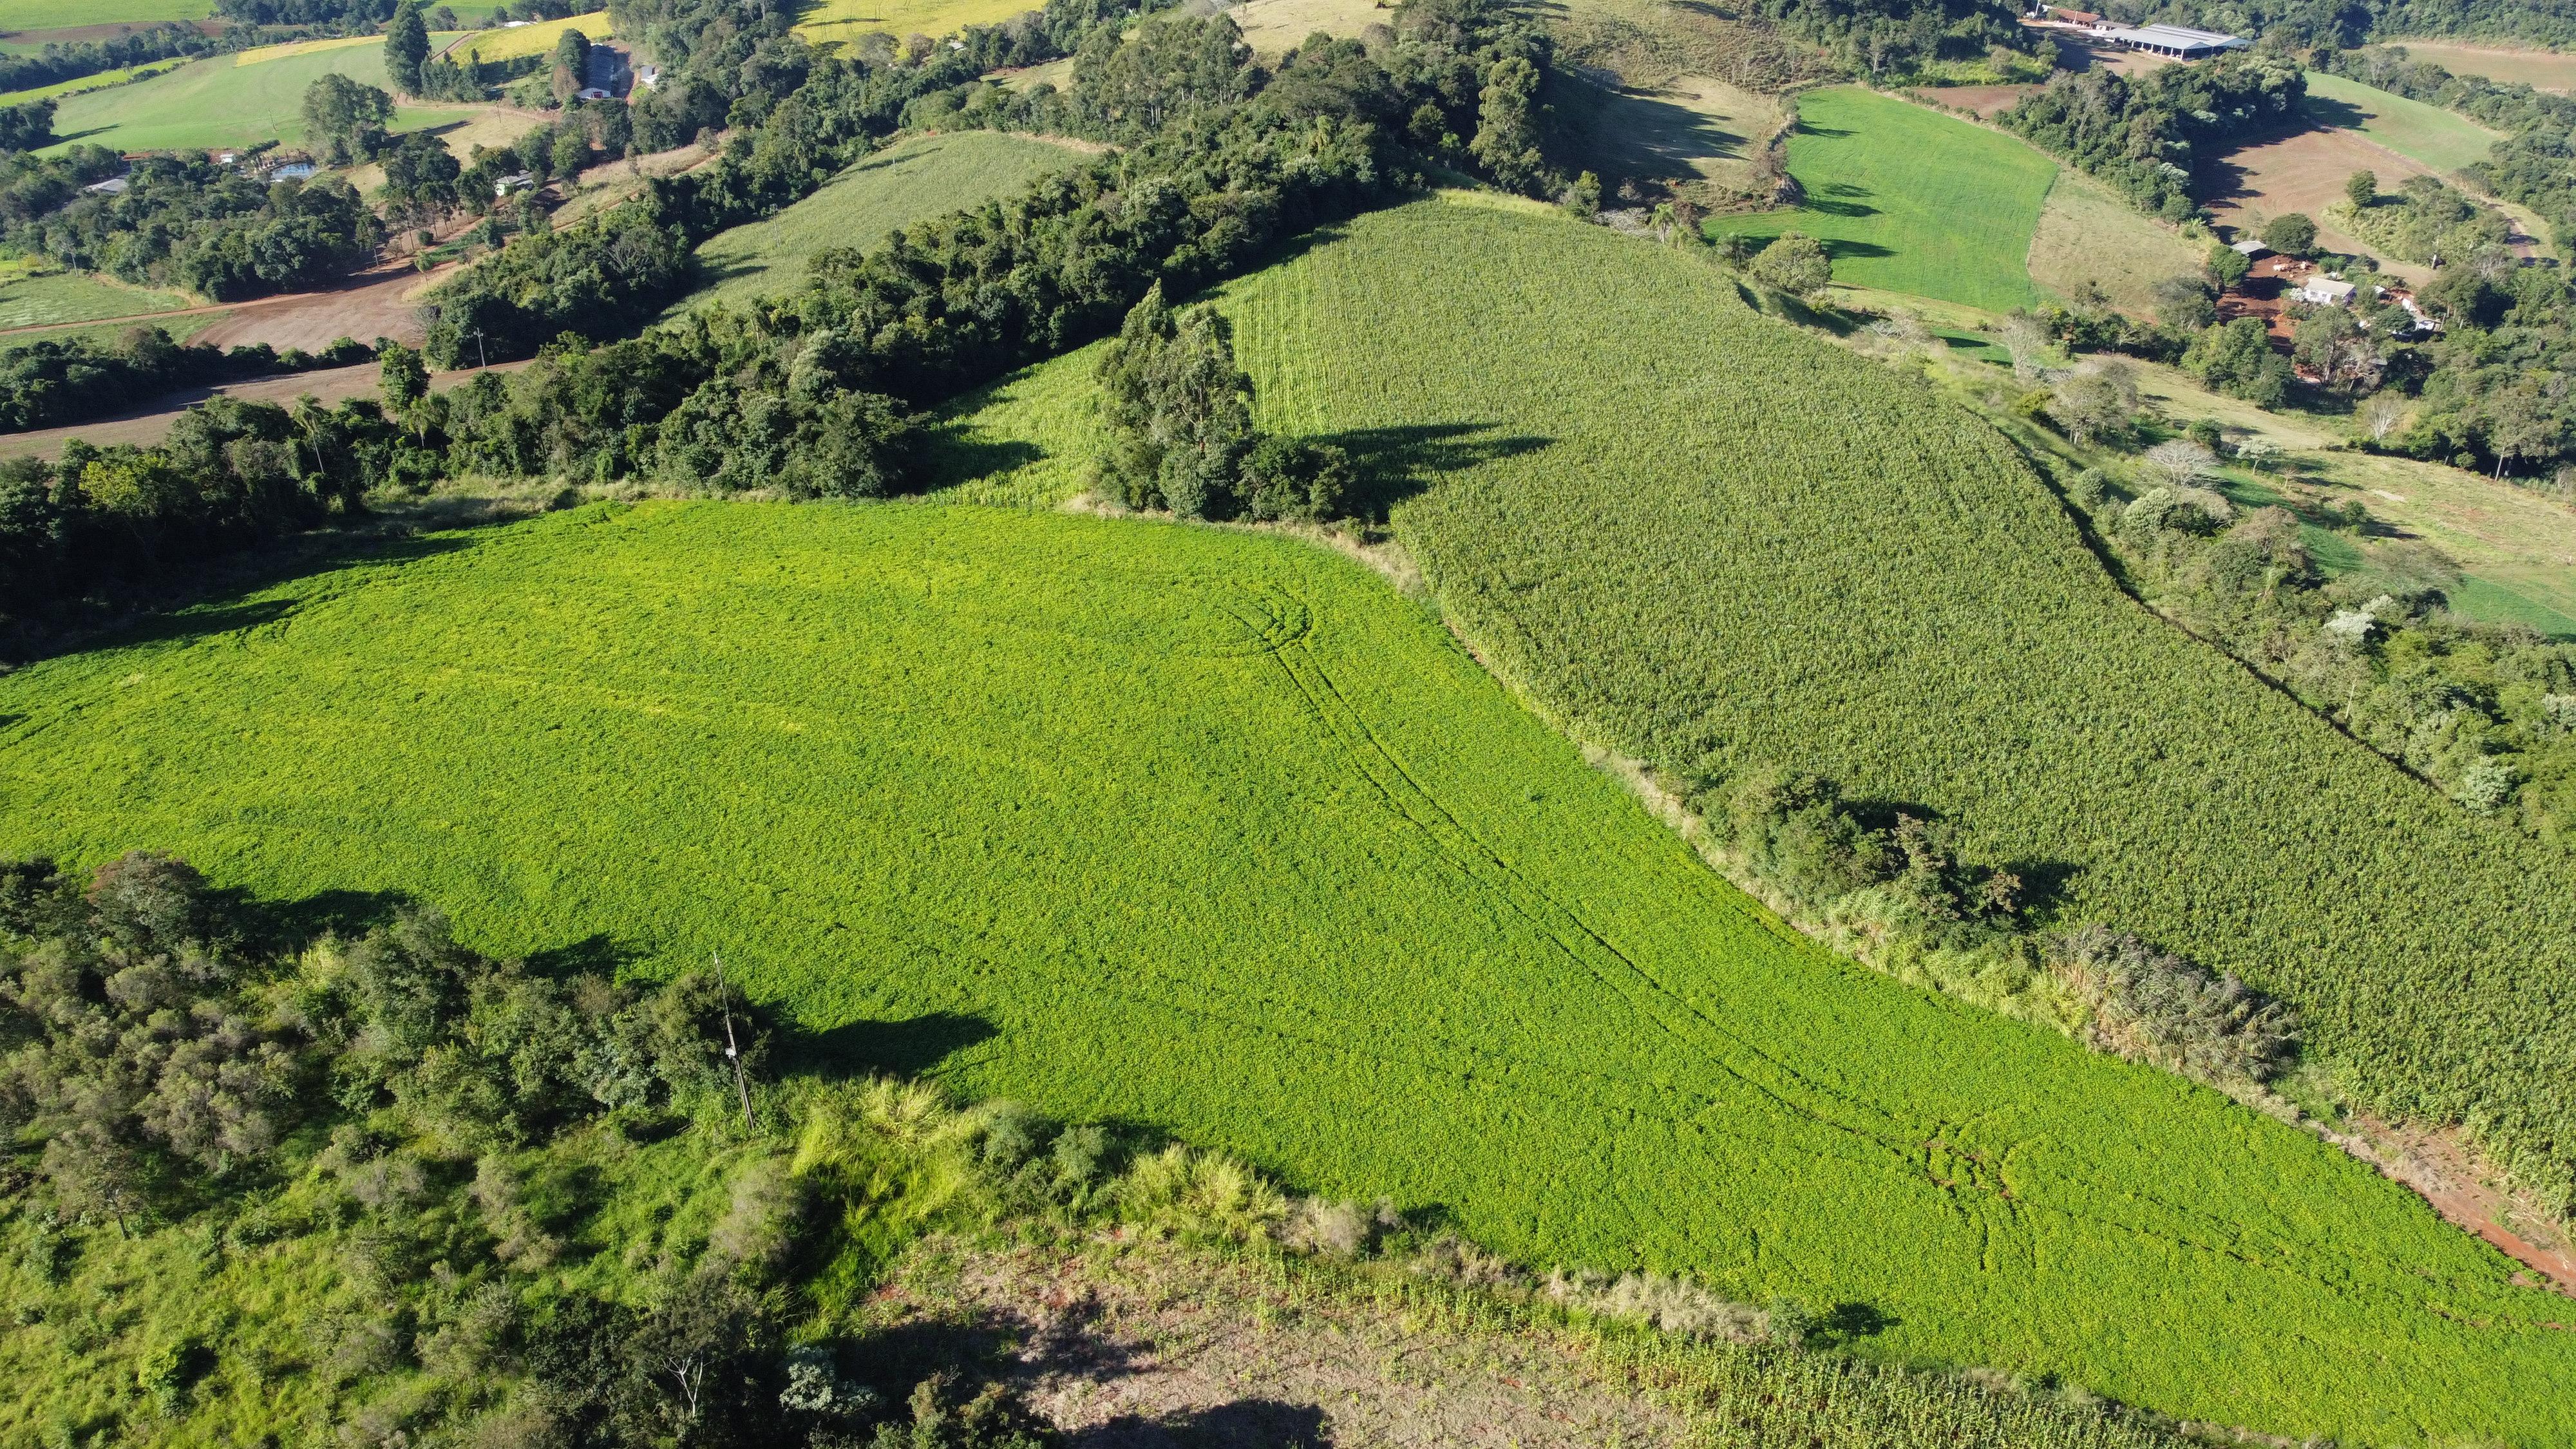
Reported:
(1216, 832)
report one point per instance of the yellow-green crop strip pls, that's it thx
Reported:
(1215, 831)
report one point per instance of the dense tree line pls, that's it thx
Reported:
(184, 221)
(1893, 39)
(26, 127)
(1223, 158)
(2151, 135)
(57, 62)
(230, 474)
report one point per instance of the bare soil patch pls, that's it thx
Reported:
(1983, 102)
(380, 302)
(1139, 1344)
(2304, 171)
(149, 422)
(2440, 1168)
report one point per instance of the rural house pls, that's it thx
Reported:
(2323, 291)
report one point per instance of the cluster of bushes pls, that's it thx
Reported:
(1181, 436)
(1894, 887)
(2424, 221)
(2149, 135)
(26, 127)
(184, 221)
(2486, 713)
(230, 474)
(32, 186)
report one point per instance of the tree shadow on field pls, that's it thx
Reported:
(1243, 1424)
(1832, 200)
(285, 925)
(1848, 1323)
(207, 599)
(905, 1048)
(592, 955)
(1396, 463)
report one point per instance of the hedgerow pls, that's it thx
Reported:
(1210, 831)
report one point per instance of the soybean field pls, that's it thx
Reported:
(1907, 199)
(1716, 544)
(1215, 831)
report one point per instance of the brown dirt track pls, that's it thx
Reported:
(150, 422)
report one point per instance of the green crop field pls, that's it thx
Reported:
(2425, 134)
(1714, 543)
(16, 15)
(1216, 831)
(216, 102)
(1910, 200)
(913, 181)
(31, 299)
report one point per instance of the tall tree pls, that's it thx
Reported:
(406, 47)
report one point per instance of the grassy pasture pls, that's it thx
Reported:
(829, 22)
(1214, 830)
(2088, 236)
(32, 298)
(1909, 200)
(18, 15)
(2428, 135)
(913, 181)
(215, 102)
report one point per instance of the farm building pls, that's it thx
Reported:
(2325, 292)
(2179, 42)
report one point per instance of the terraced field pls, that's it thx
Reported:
(1907, 199)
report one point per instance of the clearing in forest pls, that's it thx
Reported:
(1272, 27)
(537, 38)
(214, 102)
(916, 180)
(1907, 199)
(1215, 831)
(34, 296)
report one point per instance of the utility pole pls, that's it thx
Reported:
(483, 361)
(733, 1050)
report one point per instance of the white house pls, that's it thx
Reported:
(2324, 291)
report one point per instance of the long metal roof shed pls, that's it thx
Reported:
(2178, 41)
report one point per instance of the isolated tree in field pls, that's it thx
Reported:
(1507, 128)
(345, 121)
(406, 47)
(1796, 265)
(1179, 409)
(572, 64)
(2362, 190)
(2291, 234)
(2383, 414)
(2097, 398)
(24, 128)
(2180, 462)
(2185, 303)
(2027, 342)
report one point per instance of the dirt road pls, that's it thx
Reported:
(382, 301)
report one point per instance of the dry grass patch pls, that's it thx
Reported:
(2545, 70)
(1272, 27)
(2089, 238)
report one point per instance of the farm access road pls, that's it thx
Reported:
(150, 422)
